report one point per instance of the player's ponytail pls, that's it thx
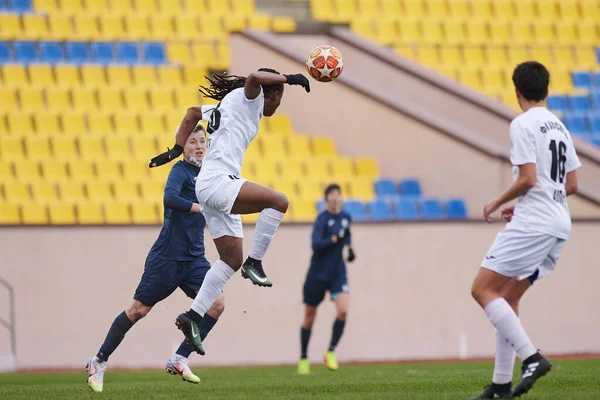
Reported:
(222, 84)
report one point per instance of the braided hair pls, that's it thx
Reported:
(222, 84)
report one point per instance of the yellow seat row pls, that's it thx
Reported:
(317, 169)
(399, 30)
(94, 76)
(342, 11)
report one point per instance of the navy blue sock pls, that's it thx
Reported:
(206, 325)
(115, 335)
(304, 338)
(338, 329)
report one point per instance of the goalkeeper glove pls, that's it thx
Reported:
(167, 156)
(298, 79)
(351, 255)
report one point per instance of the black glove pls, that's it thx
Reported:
(351, 255)
(342, 234)
(167, 156)
(298, 79)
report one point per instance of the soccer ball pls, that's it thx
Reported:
(324, 63)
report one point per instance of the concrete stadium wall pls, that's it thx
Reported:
(409, 298)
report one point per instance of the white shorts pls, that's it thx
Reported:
(523, 254)
(216, 192)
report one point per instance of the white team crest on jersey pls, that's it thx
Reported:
(344, 223)
(345, 288)
(331, 222)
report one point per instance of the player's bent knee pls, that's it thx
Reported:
(137, 311)
(342, 314)
(281, 203)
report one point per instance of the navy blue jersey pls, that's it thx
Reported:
(327, 261)
(182, 235)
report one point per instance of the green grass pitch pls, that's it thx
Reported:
(569, 379)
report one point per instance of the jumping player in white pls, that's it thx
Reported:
(544, 172)
(222, 194)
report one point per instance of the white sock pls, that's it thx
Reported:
(214, 281)
(504, 362)
(503, 317)
(266, 226)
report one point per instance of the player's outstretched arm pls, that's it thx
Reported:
(527, 179)
(172, 197)
(191, 119)
(256, 79)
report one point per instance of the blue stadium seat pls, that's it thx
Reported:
(557, 103)
(456, 209)
(410, 187)
(380, 211)
(431, 209)
(596, 79)
(2, 6)
(598, 54)
(579, 103)
(102, 53)
(576, 124)
(154, 53)
(595, 95)
(385, 187)
(356, 209)
(20, 6)
(127, 52)
(596, 141)
(51, 52)
(4, 52)
(320, 206)
(77, 52)
(406, 210)
(581, 79)
(595, 124)
(25, 52)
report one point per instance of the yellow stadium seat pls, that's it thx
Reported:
(86, 27)
(60, 27)
(492, 79)
(71, 192)
(303, 210)
(249, 218)
(136, 99)
(122, 7)
(63, 148)
(173, 119)
(14, 75)
(170, 76)
(525, 9)
(117, 148)
(345, 10)
(368, 9)
(407, 51)
(186, 98)
(286, 187)
(291, 170)
(495, 56)
(16, 192)
(112, 27)
(152, 190)
(81, 171)
(126, 191)
(204, 54)
(46, 6)
(70, 7)
(450, 57)
(560, 81)
(223, 56)
(543, 32)
(218, 7)
(454, 32)
(89, 214)
(310, 190)
(473, 56)
(542, 55)
(274, 147)
(437, 9)
(476, 32)
(144, 75)
(93, 76)
(161, 27)
(266, 170)
(366, 167)
(99, 191)
(566, 32)
(33, 214)
(361, 189)
(243, 7)
(284, 24)
(9, 99)
(152, 124)
(194, 75)
(263, 127)
(194, 7)
(91, 148)
(118, 75)
(137, 27)
(117, 213)
(322, 10)
(235, 23)
(280, 124)
(247, 169)
(503, 9)
(67, 75)
(162, 100)
(383, 30)
(390, 7)
(61, 214)
(20, 124)
(34, 27)
(481, 10)
(135, 170)
(26, 171)
(469, 77)
(414, 8)
(187, 27)
(57, 99)
(40, 75)
(317, 168)
(563, 57)
(144, 213)
(298, 147)
(3, 126)
(145, 7)
(84, 99)
(567, 10)
(44, 192)
(110, 99)
(11, 148)
(510, 99)
(521, 32)
(9, 214)
(500, 31)
(5, 169)
(37, 148)
(126, 123)
(96, 7)
(517, 55)
(253, 152)
(587, 32)
(458, 9)
(31, 99)
(47, 123)
(178, 53)
(261, 22)
(586, 59)
(428, 55)
(590, 10)
(10, 26)
(342, 168)
(170, 8)
(409, 32)
(73, 123)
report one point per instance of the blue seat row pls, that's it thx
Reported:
(585, 79)
(403, 209)
(580, 103)
(406, 187)
(19, 6)
(583, 124)
(84, 52)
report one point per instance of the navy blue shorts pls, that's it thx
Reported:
(314, 289)
(162, 277)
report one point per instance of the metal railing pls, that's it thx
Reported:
(10, 324)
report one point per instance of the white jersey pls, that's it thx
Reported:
(232, 125)
(537, 136)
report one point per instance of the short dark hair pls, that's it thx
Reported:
(199, 128)
(531, 79)
(331, 187)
